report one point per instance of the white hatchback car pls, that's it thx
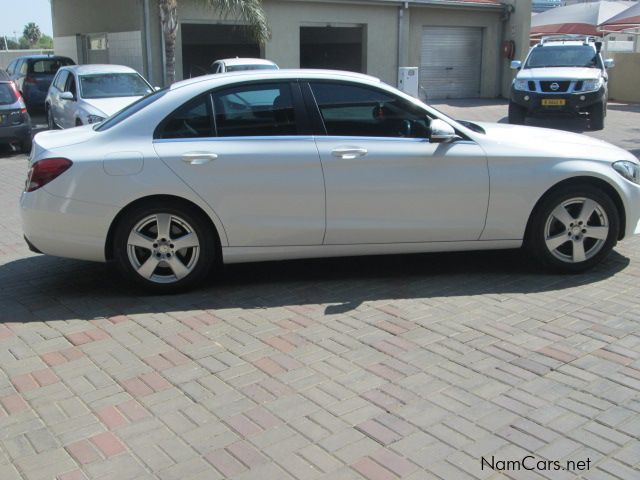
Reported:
(83, 94)
(255, 166)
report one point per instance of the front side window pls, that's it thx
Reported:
(60, 80)
(255, 110)
(354, 110)
(71, 85)
(193, 120)
(107, 85)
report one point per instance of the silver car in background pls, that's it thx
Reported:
(84, 94)
(241, 64)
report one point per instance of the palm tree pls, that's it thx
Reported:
(32, 33)
(249, 11)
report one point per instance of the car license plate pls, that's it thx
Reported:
(553, 102)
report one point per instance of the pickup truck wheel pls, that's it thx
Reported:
(596, 116)
(517, 114)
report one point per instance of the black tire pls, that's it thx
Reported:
(26, 145)
(50, 123)
(78, 122)
(517, 114)
(181, 215)
(595, 249)
(596, 116)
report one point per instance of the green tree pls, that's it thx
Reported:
(249, 11)
(45, 42)
(32, 33)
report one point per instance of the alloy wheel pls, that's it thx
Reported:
(163, 248)
(576, 230)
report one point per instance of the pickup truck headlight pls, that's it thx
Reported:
(629, 170)
(592, 84)
(520, 85)
(95, 118)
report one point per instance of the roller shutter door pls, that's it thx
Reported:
(451, 60)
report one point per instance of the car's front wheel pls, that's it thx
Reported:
(596, 116)
(573, 229)
(164, 248)
(517, 114)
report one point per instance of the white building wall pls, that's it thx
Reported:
(68, 47)
(125, 48)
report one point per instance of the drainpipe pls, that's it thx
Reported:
(147, 41)
(401, 32)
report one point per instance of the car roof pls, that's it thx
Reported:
(43, 57)
(246, 61)
(284, 74)
(98, 68)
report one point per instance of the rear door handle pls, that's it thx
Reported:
(198, 158)
(349, 153)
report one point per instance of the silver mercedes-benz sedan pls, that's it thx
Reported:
(272, 165)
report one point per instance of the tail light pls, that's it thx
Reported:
(16, 92)
(44, 171)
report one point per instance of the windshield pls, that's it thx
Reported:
(565, 56)
(7, 94)
(108, 85)
(127, 111)
(238, 68)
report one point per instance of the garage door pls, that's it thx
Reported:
(451, 59)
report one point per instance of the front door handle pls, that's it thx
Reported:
(198, 158)
(349, 153)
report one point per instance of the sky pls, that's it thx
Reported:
(15, 14)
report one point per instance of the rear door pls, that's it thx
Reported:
(253, 162)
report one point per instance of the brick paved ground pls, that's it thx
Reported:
(374, 368)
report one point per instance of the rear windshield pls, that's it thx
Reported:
(239, 68)
(48, 65)
(107, 85)
(7, 94)
(126, 112)
(564, 56)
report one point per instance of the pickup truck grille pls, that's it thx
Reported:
(563, 86)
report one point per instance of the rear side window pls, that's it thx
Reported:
(255, 110)
(192, 120)
(7, 94)
(354, 110)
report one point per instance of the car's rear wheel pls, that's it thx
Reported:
(596, 116)
(26, 145)
(517, 114)
(573, 229)
(164, 248)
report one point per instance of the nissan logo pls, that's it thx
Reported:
(554, 86)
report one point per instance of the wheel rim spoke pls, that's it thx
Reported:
(137, 239)
(189, 240)
(178, 268)
(148, 267)
(588, 207)
(164, 225)
(557, 241)
(600, 233)
(578, 251)
(561, 214)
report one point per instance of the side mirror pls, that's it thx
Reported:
(67, 96)
(441, 132)
(516, 64)
(609, 63)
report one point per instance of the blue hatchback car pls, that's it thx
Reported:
(33, 74)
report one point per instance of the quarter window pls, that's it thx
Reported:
(353, 110)
(192, 120)
(255, 110)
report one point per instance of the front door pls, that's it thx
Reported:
(385, 182)
(250, 163)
